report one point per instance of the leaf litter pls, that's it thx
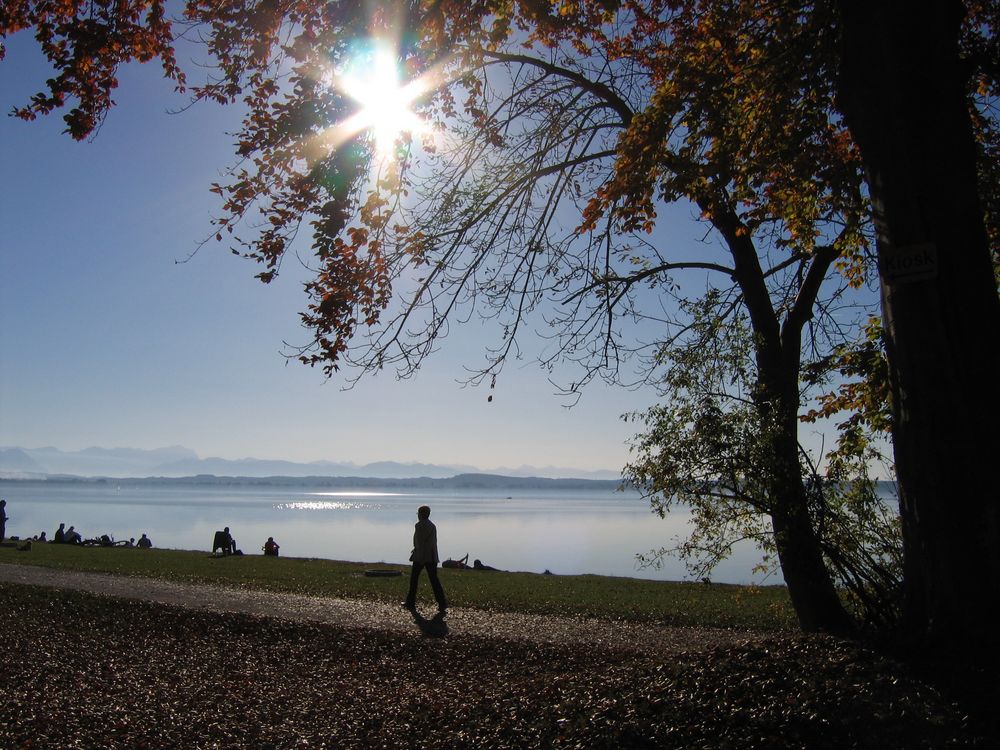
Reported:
(85, 671)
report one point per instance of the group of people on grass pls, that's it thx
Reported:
(224, 544)
(71, 535)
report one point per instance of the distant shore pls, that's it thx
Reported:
(457, 482)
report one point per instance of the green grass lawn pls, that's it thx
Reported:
(629, 599)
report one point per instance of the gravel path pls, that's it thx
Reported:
(649, 640)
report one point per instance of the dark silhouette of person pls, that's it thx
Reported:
(436, 627)
(41, 537)
(425, 557)
(461, 563)
(60, 536)
(3, 519)
(477, 565)
(224, 541)
(271, 547)
(144, 541)
(72, 536)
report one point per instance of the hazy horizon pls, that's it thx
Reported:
(181, 457)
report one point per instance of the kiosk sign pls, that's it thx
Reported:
(901, 265)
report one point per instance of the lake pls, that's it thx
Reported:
(566, 532)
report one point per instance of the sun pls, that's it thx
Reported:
(384, 101)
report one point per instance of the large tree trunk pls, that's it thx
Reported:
(777, 350)
(901, 88)
(810, 585)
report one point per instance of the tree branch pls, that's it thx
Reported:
(596, 88)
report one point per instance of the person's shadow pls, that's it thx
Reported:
(435, 627)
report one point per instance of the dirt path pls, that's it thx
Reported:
(644, 639)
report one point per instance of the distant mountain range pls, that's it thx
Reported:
(177, 461)
(457, 482)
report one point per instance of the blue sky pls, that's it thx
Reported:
(106, 340)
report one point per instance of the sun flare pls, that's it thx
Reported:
(384, 101)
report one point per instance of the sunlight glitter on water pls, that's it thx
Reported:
(327, 505)
(357, 494)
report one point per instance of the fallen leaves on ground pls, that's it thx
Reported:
(84, 671)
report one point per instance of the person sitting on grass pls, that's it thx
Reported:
(271, 547)
(461, 563)
(60, 536)
(224, 541)
(144, 542)
(478, 565)
(72, 536)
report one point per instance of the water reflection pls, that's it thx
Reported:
(358, 494)
(317, 505)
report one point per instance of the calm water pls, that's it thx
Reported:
(567, 532)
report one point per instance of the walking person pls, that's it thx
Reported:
(425, 557)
